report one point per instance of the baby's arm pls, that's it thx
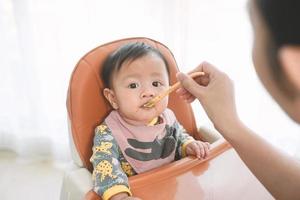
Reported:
(187, 145)
(110, 182)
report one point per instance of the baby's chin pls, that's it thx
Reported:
(138, 120)
(142, 121)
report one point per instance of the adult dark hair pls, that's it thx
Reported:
(282, 18)
(127, 53)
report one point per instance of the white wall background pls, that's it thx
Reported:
(42, 40)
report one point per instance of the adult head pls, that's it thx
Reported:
(276, 50)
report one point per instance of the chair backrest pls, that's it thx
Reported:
(87, 107)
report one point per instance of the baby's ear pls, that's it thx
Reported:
(111, 97)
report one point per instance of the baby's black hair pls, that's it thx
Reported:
(127, 52)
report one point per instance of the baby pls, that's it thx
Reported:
(125, 144)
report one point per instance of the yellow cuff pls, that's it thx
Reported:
(183, 148)
(115, 190)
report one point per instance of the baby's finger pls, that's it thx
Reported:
(206, 149)
(196, 149)
(207, 144)
(201, 147)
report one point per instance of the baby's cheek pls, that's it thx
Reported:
(163, 105)
(164, 102)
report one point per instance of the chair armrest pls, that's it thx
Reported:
(76, 184)
(209, 134)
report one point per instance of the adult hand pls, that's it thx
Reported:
(215, 92)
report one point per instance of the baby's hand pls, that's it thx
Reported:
(198, 149)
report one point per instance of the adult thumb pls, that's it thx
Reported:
(189, 84)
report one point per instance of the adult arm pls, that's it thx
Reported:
(277, 171)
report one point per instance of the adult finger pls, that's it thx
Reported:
(190, 84)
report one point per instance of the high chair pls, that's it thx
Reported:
(188, 178)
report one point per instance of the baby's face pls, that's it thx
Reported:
(135, 84)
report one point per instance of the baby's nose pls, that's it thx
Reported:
(148, 94)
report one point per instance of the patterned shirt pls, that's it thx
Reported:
(111, 169)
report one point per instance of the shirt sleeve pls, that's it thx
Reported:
(183, 138)
(108, 176)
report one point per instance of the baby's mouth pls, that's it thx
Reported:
(146, 108)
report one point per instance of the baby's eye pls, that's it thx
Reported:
(133, 85)
(156, 83)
